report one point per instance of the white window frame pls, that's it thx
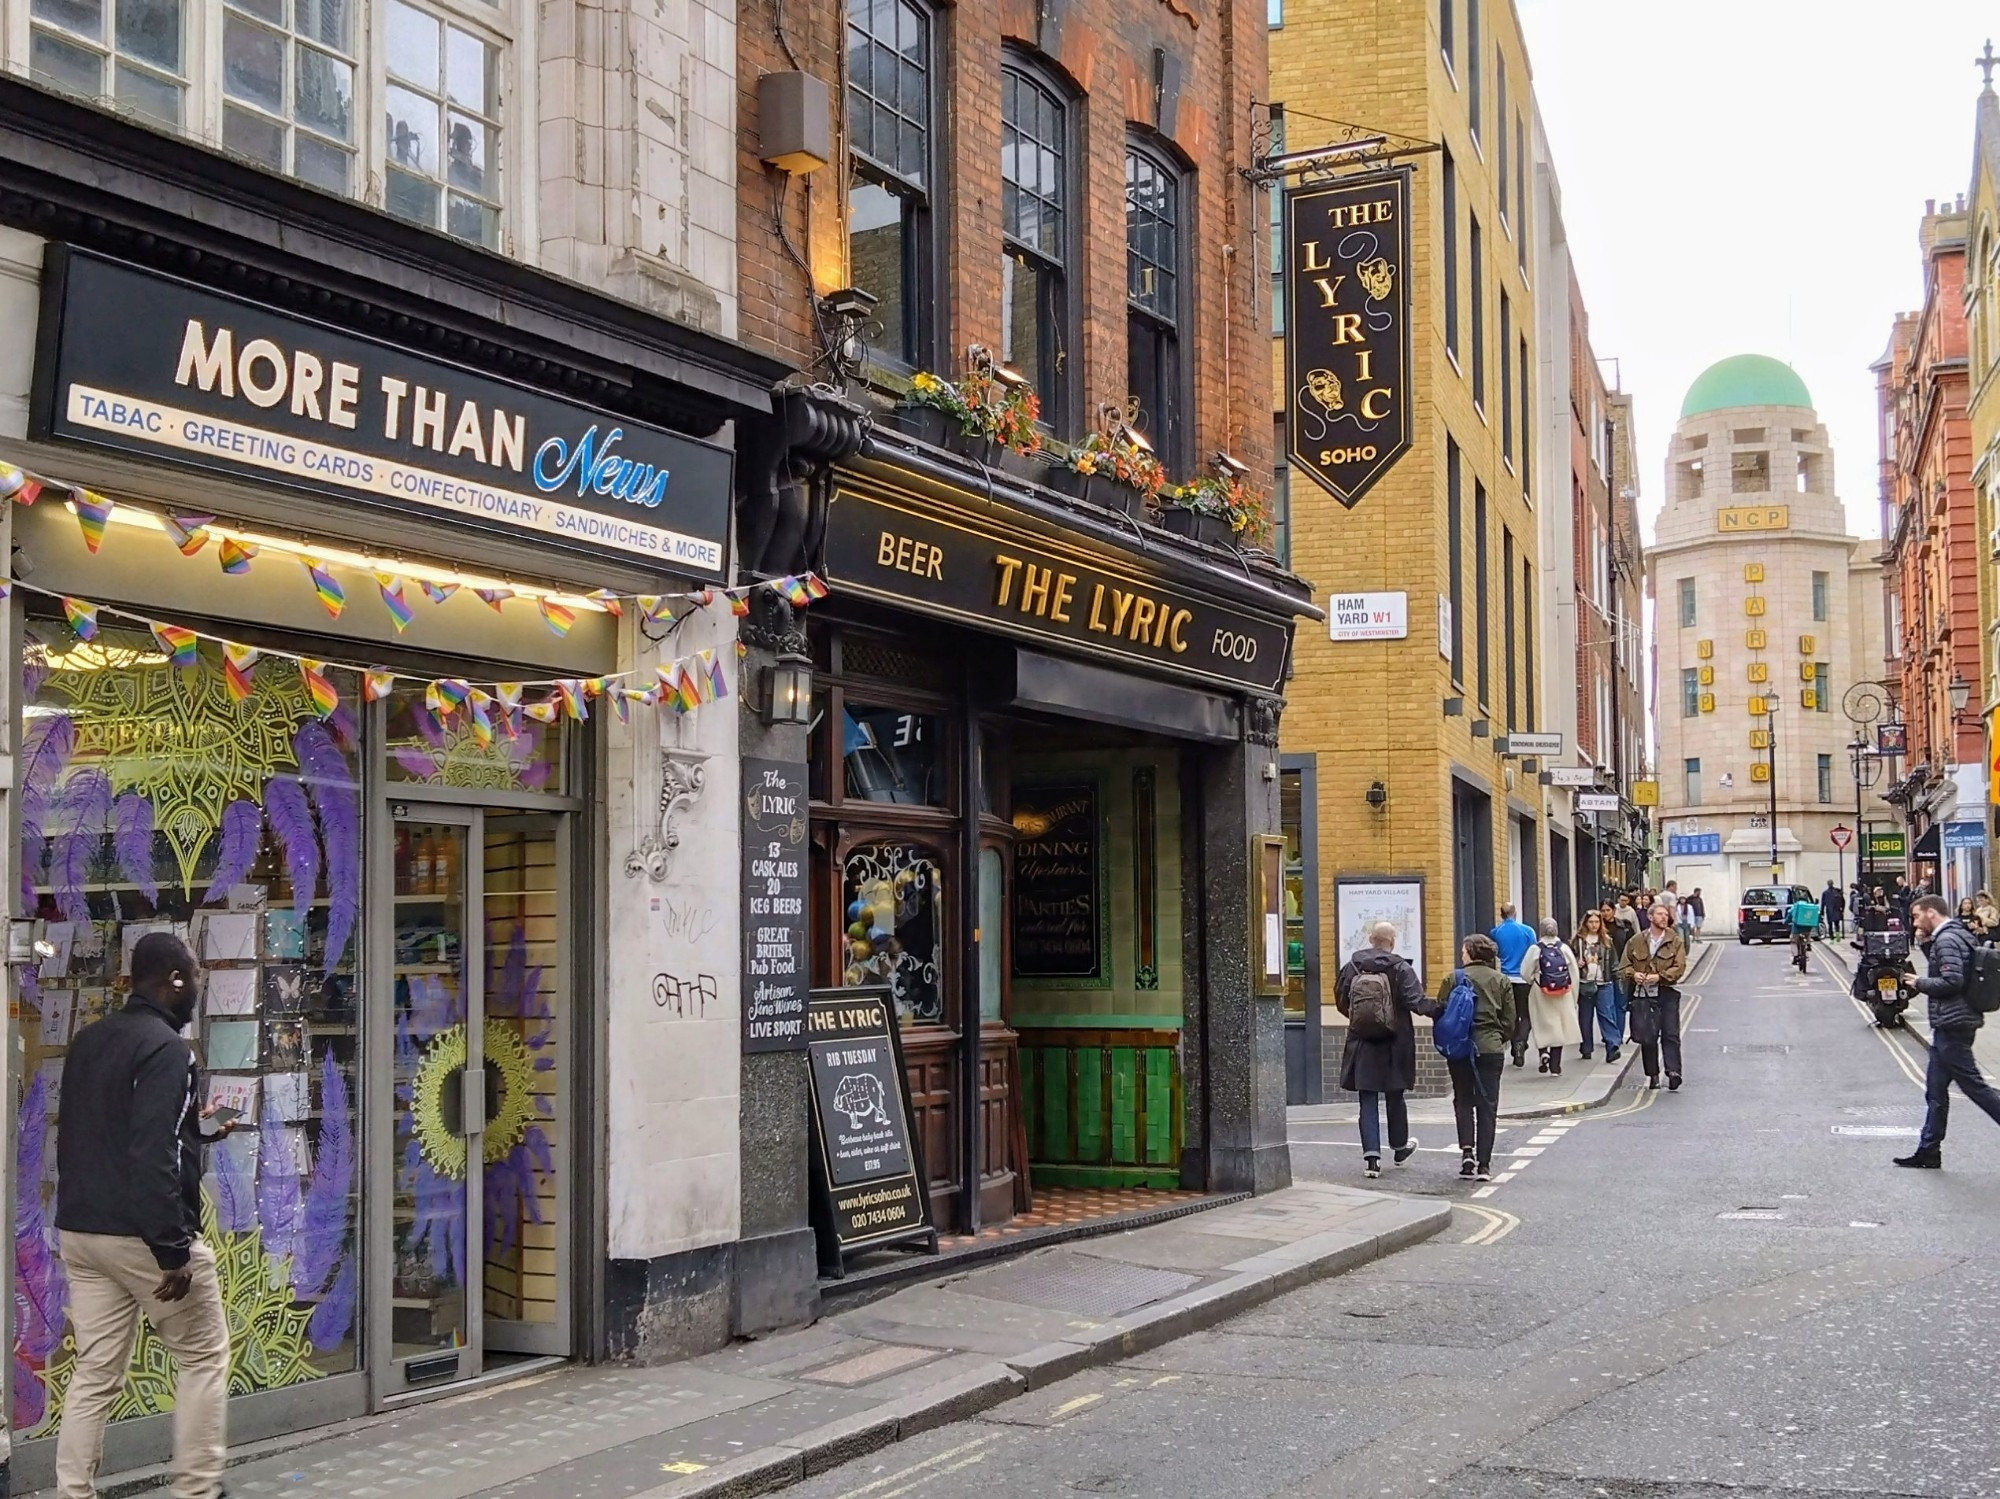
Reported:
(500, 23)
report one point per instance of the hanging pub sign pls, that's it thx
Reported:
(1347, 330)
(869, 1186)
(147, 364)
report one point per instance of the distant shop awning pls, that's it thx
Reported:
(1927, 844)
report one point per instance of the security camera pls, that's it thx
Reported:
(1236, 468)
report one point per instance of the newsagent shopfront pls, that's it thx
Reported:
(358, 640)
(1044, 808)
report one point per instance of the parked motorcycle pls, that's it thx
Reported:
(1880, 980)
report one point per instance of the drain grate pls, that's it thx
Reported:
(1760, 1049)
(1089, 1287)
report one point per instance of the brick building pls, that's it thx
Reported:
(1932, 562)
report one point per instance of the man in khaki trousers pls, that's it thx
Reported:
(128, 1203)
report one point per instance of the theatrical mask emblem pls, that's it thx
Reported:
(1324, 387)
(1377, 278)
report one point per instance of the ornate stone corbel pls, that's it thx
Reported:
(683, 777)
(1260, 720)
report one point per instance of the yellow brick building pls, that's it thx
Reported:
(1423, 718)
(1982, 306)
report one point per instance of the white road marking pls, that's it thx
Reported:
(923, 1467)
(1484, 1192)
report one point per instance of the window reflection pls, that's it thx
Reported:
(893, 755)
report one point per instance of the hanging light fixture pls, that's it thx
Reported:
(788, 690)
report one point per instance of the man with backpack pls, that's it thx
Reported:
(1963, 987)
(1473, 1031)
(1377, 990)
(1550, 969)
(1511, 939)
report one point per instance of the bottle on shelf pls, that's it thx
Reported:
(402, 861)
(444, 865)
(420, 868)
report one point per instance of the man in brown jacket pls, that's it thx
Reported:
(1655, 961)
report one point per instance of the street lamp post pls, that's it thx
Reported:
(1867, 766)
(1771, 775)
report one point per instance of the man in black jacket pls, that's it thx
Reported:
(1949, 946)
(128, 1202)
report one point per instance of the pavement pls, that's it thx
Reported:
(772, 1412)
(1722, 1293)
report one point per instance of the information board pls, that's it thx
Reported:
(775, 956)
(869, 1182)
(1058, 865)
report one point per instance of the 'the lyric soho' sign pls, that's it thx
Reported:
(1347, 345)
(151, 365)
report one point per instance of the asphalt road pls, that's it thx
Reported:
(1726, 1289)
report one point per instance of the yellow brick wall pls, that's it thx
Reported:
(1373, 711)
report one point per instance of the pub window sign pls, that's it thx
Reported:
(1347, 344)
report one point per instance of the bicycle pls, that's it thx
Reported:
(1802, 938)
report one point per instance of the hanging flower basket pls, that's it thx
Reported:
(987, 410)
(1218, 509)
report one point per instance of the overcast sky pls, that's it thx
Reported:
(1747, 176)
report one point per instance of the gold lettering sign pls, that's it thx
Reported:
(1753, 572)
(1808, 672)
(1754, 605)
(1754, 640)
(1704, 649)
(1760, 739)
(1758, 708)
(1809, 698)
(1708, 702)
(1348, 414)
(1759, 771)
(1759, 672)
(1807, 645)
(1754, 518)
(1706, 674)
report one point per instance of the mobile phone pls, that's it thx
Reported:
(223, 1117)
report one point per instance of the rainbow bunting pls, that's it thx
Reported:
(742, 650)
(669, 674)
(570, 694)
(705, 597)
(19, 485)
(656, 609)
(6, 591)
(437, 593)
(318, 688)
(794, 590)
(182, 646)
(613, 605)
(376, 685)
(815, 589)
(541, 712)
(739, 604)
(393, 599)
(189, 532)
(82, 618)
(509, 694)
(235, 556)
(493, 598)
(93, 514)
(718, 679)
(688, 693)
(238, 662)
(332, 597)
(482, 720)
(621, 707)
(444, 696)
(559, 617)
(594, 686)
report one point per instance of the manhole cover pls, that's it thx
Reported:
(1760, 1049)
(1089, 1287)
(1875, 1131)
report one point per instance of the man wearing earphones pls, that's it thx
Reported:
(128, 1202)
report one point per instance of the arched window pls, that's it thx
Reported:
(1035, 197)
(890, 235)
(1155, 213)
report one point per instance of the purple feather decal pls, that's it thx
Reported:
(335, 1313)
(277, 1185)
(242, 830)
(132, 840)
(323, 1223)
(418, 765)
(234, 1191)
(291, 821)
(85, 813)
(40, 1288)
(49, 743)
(31, 1401)
(337, 799)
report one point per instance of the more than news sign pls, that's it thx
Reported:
(148, 364)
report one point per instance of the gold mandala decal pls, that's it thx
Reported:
(508, 1056)
(443, 1061)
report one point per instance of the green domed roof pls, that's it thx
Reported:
(1745, 380)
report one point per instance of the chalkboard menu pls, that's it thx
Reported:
(1058, 886)
(775, 959)
(868, 1175)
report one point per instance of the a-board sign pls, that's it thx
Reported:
(775, 955)
(869, 1183)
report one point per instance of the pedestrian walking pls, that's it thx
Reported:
(1968, 913)
(1377, 990)
(1832, 908)
(1699, 908)
(1989, 915)
(1551, 971)
(1475, 1084)
(1624, 921)
(1955, 1020)
(1599, 1002)
(1512, 938)
(1670, 897)
(1655, 961)
(128, 1204)
(1901, 900)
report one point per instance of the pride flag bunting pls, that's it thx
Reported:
(376, 685)
(235, 556)
(739, 604)
(794, 590)
(718, 679)
(318, 688)
(332, 597)
(19, 485)
(656, 609)
(437, 593)
(541, 712)
(189, 532)
(482, 719)
(180, 645)
(82, 618)
(815, 589)
(558, 617)
(613, 605)
(687, 692)
(238, 662)
(493, 598)
(401, 612)
(93, 514)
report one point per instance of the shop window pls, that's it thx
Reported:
(1690, 692)
(518, 755)
(289, 87)
(1034, 221)
(893, 755)
(889, 221)
(1820, 582)
(1291, 822)
(1822, 687)
(130, 52)
(1687, 603)
(1154, 229)
(992, 933)
(893, 895)
(152, 800)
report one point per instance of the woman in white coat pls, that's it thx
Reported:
(1550, 973)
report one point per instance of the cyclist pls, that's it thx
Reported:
(1805, 921)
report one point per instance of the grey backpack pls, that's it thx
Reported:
(1371, 1007)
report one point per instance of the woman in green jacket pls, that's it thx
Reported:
(1475, 1085)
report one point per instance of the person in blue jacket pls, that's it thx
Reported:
(1514, 937)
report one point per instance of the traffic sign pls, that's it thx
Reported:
(1842, 837)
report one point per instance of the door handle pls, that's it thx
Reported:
(472, 1101)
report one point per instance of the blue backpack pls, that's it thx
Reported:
(1451, 1032)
